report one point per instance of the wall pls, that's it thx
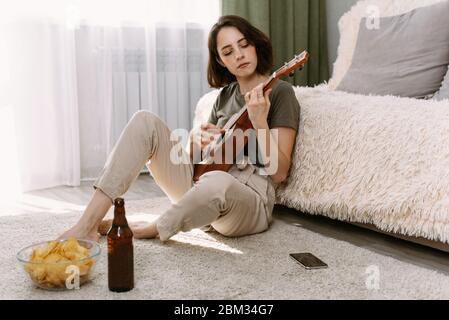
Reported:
(335, 9)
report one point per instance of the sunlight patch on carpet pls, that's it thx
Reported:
(195, 237)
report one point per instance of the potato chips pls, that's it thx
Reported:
(48, 265)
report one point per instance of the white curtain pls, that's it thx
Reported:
(74, 72)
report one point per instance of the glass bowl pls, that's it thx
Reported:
(64, 274)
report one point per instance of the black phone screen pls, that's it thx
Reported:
(308, 260)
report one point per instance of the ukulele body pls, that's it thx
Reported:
(221, 159)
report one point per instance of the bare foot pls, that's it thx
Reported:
(104, 227)
(145, 230)
(75, 232)
(140, 229)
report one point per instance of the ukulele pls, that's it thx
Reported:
(218, 157)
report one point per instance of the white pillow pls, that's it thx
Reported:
(349, 28)
(204, 108)
(443, 93)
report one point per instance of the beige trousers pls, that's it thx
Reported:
(235, 204)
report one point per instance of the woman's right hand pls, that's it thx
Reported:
(202, 137)
(207, 133)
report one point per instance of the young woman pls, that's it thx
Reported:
(235, 203)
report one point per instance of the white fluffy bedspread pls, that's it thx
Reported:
(369, 159)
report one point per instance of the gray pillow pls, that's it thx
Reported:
(443, 93)
(407, 56)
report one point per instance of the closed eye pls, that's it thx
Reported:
(243, 43)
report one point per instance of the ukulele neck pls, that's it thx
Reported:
(268, 84)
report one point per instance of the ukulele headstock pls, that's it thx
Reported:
(290, 67)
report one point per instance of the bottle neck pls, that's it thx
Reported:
(120, 217)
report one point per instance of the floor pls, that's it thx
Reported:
(144, 187)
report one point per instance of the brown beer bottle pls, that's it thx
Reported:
(120, 251)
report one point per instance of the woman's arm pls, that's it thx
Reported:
(280, 139)
(276, 144)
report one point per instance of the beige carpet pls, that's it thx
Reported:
(199, 265)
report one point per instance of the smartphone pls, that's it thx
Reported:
(308, 261)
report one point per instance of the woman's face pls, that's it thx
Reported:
(236, 54)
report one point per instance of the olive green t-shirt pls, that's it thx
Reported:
(284, 107)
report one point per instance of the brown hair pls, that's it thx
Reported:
(219, 76)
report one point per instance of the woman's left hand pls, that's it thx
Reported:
(258, 106)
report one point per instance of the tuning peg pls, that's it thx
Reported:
(291, 75)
